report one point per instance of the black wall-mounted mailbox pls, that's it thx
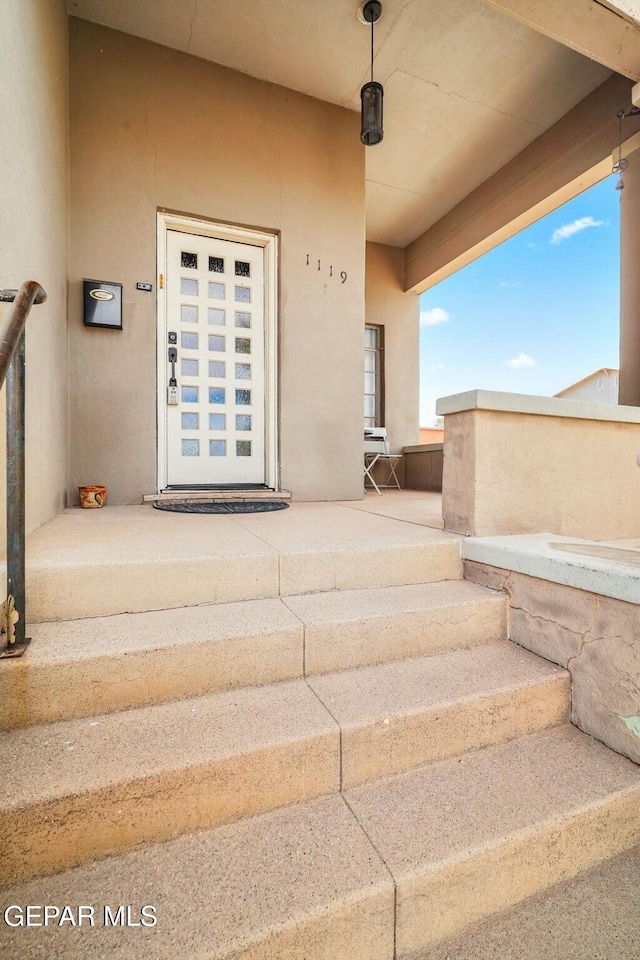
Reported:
(102, 304)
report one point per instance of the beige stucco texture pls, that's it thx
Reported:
(510, 472)
(154, 129)
(593, 636)
(389, 306)
(34, 231)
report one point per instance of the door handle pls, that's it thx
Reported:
(173, 359)
(172, 389)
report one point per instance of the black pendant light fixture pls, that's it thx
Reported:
(372, 93)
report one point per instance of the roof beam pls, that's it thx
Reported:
(566, 159)
(603, 30)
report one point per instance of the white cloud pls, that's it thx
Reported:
(431, 318)
(522, 360)
(511, 283)
(568, 229)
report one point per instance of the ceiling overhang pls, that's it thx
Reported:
(572, 156)
(467, 88)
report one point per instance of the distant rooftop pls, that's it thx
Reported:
(602, 371)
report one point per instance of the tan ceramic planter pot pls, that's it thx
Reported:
(92, 497)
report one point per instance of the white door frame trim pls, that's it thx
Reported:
(221, 231)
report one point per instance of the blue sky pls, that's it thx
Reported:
(532, 316)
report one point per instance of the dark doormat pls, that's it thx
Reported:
(212, 506)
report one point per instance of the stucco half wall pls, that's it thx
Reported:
(152, 128)
(524, 464)
(34, 230)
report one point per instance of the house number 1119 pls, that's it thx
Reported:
(343, 274)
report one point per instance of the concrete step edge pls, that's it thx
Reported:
(254, 870)
(82, 789)
(466, 838)
(61, 590)
(98, 665)
(296, 743)
(301, 909)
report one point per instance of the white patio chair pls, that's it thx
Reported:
(376, 449)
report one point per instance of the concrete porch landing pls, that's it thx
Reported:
(412, 506)
(87, 563)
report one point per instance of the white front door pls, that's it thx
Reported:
(215, 433)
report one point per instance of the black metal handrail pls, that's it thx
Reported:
(12, 369)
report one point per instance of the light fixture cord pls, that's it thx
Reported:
(620, 165)
(372, 51)
(620, 119)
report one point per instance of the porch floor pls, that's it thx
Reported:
(139, 533)
(131, 558)
(412, 506)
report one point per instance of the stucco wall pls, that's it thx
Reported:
(387, 304)
(592, 636)
(153, 128)
(508, 472)
(459, 472)
(34, 231)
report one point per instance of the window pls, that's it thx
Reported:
(373, 376)
(600, 381)
(616, 381)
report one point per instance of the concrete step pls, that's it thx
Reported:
(456, 841)
(93, 563)
(467, 837)
(79, 668)
(237, 495)
(353, 628)
(593, 916)
(81, 789)
(403, 715)
(298, 884)
(85, 788)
